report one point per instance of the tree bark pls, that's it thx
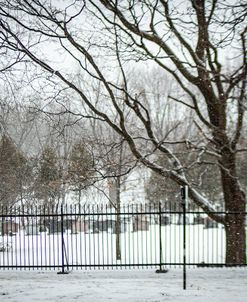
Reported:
(235, 239)
(235, 203)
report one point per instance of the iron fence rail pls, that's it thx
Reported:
(98, 236)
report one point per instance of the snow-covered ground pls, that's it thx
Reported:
(203, 284)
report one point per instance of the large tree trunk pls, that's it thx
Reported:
(235, 206)
(235, 231)
(235, 240)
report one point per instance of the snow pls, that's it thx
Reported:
(203, 284)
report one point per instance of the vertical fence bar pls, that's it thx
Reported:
(98, 235)
(143, 227)
(43, 225)
(130, 233)
(132, 237)
(53, 238)
(137, 232)
(89, 237)
(39, 235)
(80, 231)
(113, 227)
(184, 243)
(24, 237)
(49, 232)
(2, 235)
(76, 232)
(150, 234)
(62, 239)
(92, 235)
(85, 225)
(62, 242)
(70, 240)
(160, 238)
(160, 270)
(184, 194)
(107, 234)
(148, 222)
(34, 231)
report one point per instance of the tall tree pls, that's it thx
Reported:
(14, 173)
(80, 168)
(201, 43)
(48, 180)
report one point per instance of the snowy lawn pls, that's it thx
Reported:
(204, 284)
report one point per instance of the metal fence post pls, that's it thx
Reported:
(160, 236)
(62, 243)
(184, 195)
(160, 270)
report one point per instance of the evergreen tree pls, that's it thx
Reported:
(48, 178)
(14, 172)
(81, 167)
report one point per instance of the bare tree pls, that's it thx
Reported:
(202, 44)
(113, 163)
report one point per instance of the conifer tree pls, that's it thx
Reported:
(48, 178)
(14, 172)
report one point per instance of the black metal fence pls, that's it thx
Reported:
(98, 236)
